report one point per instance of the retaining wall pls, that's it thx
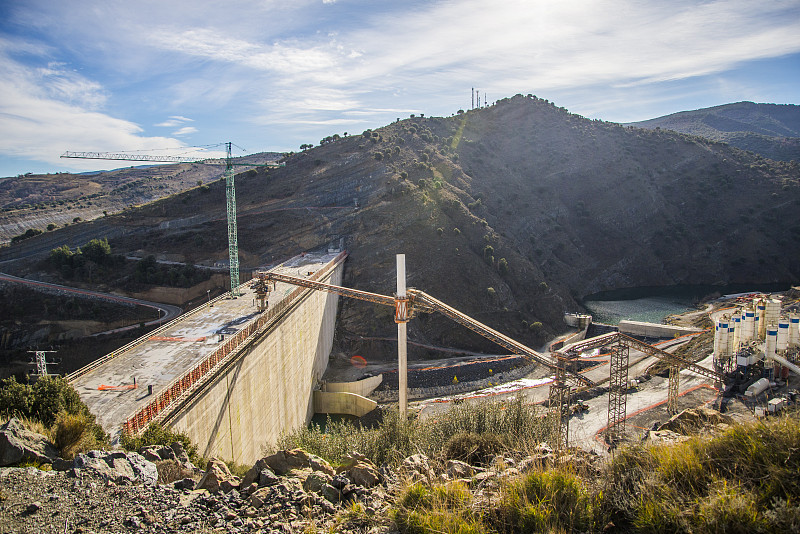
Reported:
(454, 389)
(638, 328)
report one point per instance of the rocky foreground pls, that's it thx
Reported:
(159, 490)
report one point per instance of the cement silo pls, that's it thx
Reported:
(783, 335)
(794, 330)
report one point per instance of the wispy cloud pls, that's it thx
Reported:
(283, 71)
(186, 130)
(35, 124)
(175, 120)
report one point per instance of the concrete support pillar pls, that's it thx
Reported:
(402, 352)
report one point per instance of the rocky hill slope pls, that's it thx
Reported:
(39, 201)
(772, 130)
(511, 213)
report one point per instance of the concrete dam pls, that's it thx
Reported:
(233, 374)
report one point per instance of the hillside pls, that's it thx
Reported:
(772, 130)
(511, 213)
(36, 201)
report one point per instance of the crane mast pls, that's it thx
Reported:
(230, 192)
(233, 234)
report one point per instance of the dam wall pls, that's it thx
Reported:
(268, 388)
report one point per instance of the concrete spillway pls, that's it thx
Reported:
(229, 376)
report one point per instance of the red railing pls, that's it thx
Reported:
(139, 420)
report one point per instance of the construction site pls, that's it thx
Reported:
(249, 365)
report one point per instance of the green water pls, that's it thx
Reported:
(651, 310)
(653, 304)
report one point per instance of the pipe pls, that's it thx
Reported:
(789, 365)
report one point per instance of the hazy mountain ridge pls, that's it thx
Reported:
(772, 130)
(38, 200)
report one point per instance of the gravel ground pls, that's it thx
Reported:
(44, 502)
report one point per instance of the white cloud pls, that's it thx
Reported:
(175, 120)
(37, 125)
(281, 57)
(186, 130)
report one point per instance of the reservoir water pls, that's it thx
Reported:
(651, 309)
(653, 304)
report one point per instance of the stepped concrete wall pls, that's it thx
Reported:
(269, 389)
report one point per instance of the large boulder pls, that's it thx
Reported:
(360, 470)
(216, 473)
(117, 466)
(694, 419)
(417, 467)
(456, 469)
(19, 444)
(282, 462)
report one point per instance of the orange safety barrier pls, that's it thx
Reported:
(164, 338)
(103, 387)
(142, 418)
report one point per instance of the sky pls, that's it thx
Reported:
(160, 77)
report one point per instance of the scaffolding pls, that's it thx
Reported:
(558, 403)
(674, 388)
(618, 385)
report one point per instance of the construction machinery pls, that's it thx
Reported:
(230, 191)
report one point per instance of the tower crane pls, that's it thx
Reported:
(230, 191)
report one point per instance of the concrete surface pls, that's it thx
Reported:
(268, 389)
(183, 344)
(360, 387)
(342, 402)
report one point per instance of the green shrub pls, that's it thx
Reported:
(544, 501)
(77, 433)
(55, 405)
(502, 266)
(516, 424)
(43, 400)
(441, 508)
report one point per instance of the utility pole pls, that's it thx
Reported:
(401, 318)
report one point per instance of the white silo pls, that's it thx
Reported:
(731, 344)
(717, 325)
(772, 341)
(761, 322)
(794, 330)
(747, 325)
(783, 335)
(723, 337)
(737, 331)
(772, 313)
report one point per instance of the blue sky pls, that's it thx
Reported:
(269, 75)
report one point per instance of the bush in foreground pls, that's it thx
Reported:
(155, 434)
(741, 481)
(499, 426)
(52, 407)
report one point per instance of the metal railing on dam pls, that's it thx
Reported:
(139, 420)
